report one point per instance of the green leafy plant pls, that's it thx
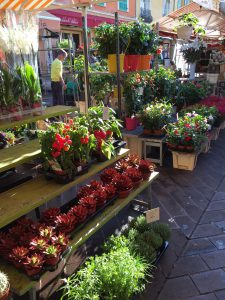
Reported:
(101, 86)
(64, 44)
(9, 95)
(4, 283)
(188, 19)
(193, 51)
(190, 93)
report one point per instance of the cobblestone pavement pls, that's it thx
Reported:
(193, 203)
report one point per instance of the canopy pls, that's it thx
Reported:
(211, 19)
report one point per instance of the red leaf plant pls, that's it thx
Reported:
(95, 185)
(133, 160)
(110, 191)
(65, 222)
(49, 215)
(107, 175)
(80, 212)
(33, 264)
(46, 232)
(26, 238)
(60, 240)
(38, 244)
(16, 231)
(122, 182)
(18, 255)
(25, 223)
(52, 255)
(7, 243)
(84, 191)
(100, 196)
(133, 174)
(145, 167)
(122, 165)
(90, 203)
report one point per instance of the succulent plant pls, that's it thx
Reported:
(34, 261)
(133, 174)
(26, 238)
(16, 231)
(89, 202)
(133, 160)
(80, 212)
(122, 182)
(95, 185)
(110, 191)
(60, 239)
(49, 215)
(46, 232)
(122, 165)
(52, 250)
(25, 222)
(19, 253)
(38, 243)
(4, 283)
(108, 174)
(100, 196)
(145, 166)
(66, 222)
(84, 191)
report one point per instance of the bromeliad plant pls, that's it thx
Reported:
(188, 133)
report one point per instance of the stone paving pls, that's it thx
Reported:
(193, 203)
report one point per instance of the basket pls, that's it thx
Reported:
(184, 32)
(184, 161)
(212, 78)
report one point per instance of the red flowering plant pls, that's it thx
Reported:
(188, 133)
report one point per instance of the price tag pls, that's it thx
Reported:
(105, 113)
(152, 215)
(79, 169)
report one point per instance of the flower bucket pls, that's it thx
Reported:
(144, 62)
(184, 161)
(131, 123)
(112, 63)
(184, 32)
(131, 63)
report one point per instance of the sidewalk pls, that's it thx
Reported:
(193, 203)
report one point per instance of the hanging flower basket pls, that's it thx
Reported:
(184, 161)
(184, 32)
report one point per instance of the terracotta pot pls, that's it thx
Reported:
(124, 194)
(51, 260)
(146, 176)
(5, 296)
(131, 63)
(136, 184)
(32, 271)
(131, 123)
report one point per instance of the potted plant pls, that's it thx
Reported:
(187, 22)
(135, 175)
(122, 165)
(65, 223)
(100, 197)
(46, 232)
(80, 212)
(60, 240)
(105, 40)
(107, 175)
(38, 244)
(18, 255)
(191, 53)
(142, 41)
(146, 167)
(90, 203)
(52, 255)
(33, 264)
(123, 185)
(4, 286)
(110, 191)
(154, 117)
(49, 215)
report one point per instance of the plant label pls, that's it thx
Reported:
(79, 169)
(153, 215)
(140, 91)
(105, 113)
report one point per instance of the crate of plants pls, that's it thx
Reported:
(155, 116)
(126, 263)
(33, 247)
(184, 139)
(20, 93)
(70, 148)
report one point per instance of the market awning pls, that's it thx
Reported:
(211, 19)
(24, 4)
(72, 18)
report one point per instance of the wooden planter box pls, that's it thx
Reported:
(184, 161)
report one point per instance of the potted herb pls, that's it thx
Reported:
(187, 22)
(33, 264)
(4, 286)
(51, 255)
(123, 185)
(154, 117)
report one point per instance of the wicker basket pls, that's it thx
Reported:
(184, 32)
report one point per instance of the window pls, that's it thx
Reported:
(123, 5)
(179, 4)
(166, 7)
(186, 2)
(102, 4)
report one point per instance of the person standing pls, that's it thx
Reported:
(57, 82)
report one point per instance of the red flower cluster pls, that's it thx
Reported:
(84, 140)
(60, 144)
(100, 134)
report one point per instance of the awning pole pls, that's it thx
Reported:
(86, 62)
(118, 64)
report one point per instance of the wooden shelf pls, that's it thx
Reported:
(24, 198)
(19, 154)
(20, 283)
(49, 112)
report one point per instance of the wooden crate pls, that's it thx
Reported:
(184, 161)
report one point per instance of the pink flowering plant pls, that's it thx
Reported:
(188, 132)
